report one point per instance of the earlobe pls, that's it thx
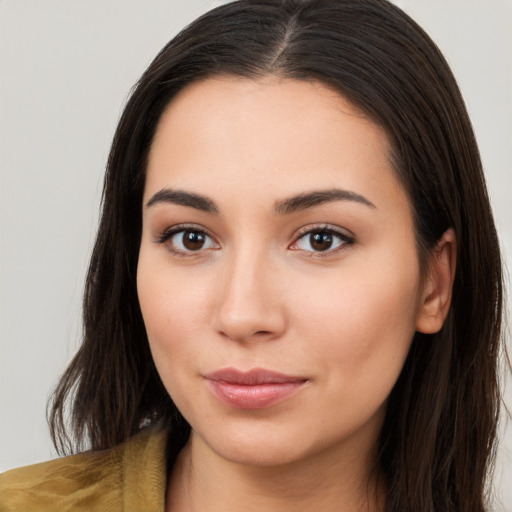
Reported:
(437, 291)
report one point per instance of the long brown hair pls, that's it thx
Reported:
(438, 437)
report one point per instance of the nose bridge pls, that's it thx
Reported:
(248, 303)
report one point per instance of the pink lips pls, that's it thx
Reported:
(254, 389)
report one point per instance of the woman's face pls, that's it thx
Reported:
(278, 273)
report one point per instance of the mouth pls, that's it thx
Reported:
(254, 389)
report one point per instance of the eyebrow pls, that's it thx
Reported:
(318, 197)
(284, 207)
(183, 198)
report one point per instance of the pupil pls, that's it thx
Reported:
(321, 241)
(193, 240)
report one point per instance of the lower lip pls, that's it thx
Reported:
(256, 396)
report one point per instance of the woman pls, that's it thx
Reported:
(294, 300)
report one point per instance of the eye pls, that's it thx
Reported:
(320, 240)
(187, 240)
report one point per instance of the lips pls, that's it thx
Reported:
(254, 389)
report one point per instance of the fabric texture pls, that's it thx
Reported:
(130, 477)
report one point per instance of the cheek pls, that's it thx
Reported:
(173, 310)
(360, 325)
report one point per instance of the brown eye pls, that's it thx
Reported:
(193, 240)
(183, 241)
(320, 240)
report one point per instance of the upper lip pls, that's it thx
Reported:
(252, 377)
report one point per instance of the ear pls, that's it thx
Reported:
(437, 289)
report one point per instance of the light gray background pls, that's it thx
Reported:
(66, 68)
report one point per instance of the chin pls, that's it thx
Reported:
(250, 454)
(261, 445)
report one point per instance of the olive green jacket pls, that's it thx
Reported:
(128, 478)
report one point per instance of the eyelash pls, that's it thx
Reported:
(166, 235)
(347, 240)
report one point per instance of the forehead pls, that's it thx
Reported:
(273, 135)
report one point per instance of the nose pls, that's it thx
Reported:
(249, 305)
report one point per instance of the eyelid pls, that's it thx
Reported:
(166, 233)
(346, 236)
(343, 232)
(169, 232)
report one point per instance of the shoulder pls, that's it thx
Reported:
(66, 483)
(115, 479)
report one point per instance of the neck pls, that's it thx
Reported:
(332, 482)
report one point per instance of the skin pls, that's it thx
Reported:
(258, 294)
